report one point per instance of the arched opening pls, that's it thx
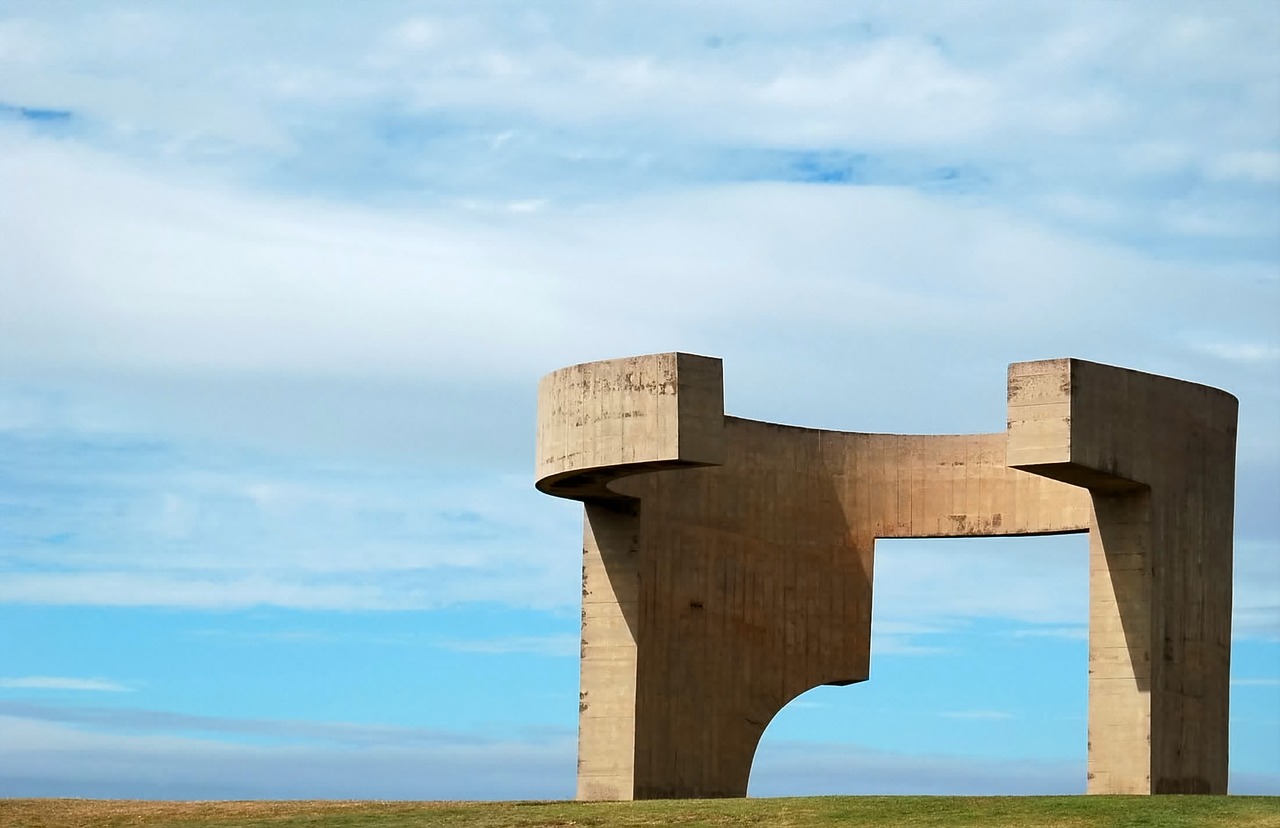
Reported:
(978, 685)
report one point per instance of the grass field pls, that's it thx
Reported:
(882, 812)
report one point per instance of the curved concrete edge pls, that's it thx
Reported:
(601, 421)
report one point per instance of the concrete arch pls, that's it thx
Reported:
(728, 563)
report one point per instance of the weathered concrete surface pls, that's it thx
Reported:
(727, 563)
(1158, 458)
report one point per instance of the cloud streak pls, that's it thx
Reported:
(981, 715)
(234, 290)
(149, 754)
(557, 646)
(94, 685)
(471, 106)
(49, 754)
(1255, 682)
(142, 721)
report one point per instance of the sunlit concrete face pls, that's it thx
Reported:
(728, 563)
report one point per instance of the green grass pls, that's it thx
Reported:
(878, 811)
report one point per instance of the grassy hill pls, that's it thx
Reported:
(882, 812)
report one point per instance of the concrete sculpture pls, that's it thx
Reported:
(727, 563)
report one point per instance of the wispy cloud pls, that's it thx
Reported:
(302, 637)
(285, 731)
(64, 683)
(1248, 352)
(902, 645)
(1255, 682)
(892, 634)
(120, 754)
(1255, 610)
(799, 768)
(1074, 633)
(559, 646)
(476, 105)
(977, 714)
(265, 533)
(141, 754)
(159, 342)
(1046, 588)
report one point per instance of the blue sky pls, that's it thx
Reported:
(277, 285)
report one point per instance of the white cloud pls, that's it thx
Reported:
(559, 185)
(795, 768)
(895, 91)
(90, 752)
(166, 527)
(1255, 682)
(1042, 581)
(63, 683)
(280, 731)
(167, 279)
(1242, 351)
(1074, 633)
(417, 32)
(1255, 610)
(1040, 584)
(21, 43)
(196, 591)
(558, 646)
(171, 278)
(1258, 166)
(56, 753)
(96, 64)
(892, 634)
(1061, 81)
(239, 584)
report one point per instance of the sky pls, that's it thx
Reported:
(278, 281)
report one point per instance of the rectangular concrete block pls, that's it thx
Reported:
(631, 411)
(1039, 413)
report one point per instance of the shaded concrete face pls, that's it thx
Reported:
(728, 563)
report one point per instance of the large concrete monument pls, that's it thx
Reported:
(727, 563)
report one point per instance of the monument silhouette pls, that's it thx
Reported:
(728, 563)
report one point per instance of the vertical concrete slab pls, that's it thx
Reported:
(1158, 458)
(610, 619)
